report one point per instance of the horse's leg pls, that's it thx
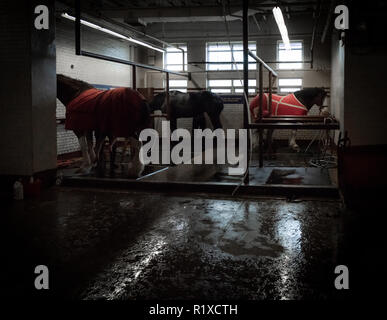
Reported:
(100, 140)
(269, 138)
(86, 163)
(292, 141)
(215, 120)
(173, 124)
(254, 139)
(112, 152)
(135, 166)
(90, 147)
(123, 153)
(198, 122)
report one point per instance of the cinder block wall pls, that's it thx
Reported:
(96, 72)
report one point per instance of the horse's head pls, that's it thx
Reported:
(68, 88)
(320, 97)
(311, 96)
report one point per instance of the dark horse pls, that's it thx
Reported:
(294, 104)
(120, 112)
(190, 105)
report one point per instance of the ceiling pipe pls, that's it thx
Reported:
(328, 22)
(318, 9)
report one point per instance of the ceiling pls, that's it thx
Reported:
(142, 17)
(137, 13)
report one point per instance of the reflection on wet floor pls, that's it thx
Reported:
(119, 245)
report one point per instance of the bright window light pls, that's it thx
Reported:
(289, 82)
(289, 90)
(230, 85)
(288, 85)
(295, 55)
(178, 83)
(239, 83)
(173, 58)
(221, 90)
(241, 91)
(223, 52)
(219, 83)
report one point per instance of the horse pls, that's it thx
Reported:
(120, 112)
(294, 104)
(190, 105)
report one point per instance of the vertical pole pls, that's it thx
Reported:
(78, 27)
(134, 86)
(260, 115)
(246, 82)
(167, 97)
(269, 137)
(270, 91)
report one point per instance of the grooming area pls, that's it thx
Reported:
(187, 150)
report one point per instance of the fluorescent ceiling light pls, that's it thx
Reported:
(118, 35)
(282, 27)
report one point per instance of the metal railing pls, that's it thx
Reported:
(288, 122)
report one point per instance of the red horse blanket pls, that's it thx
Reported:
(281, 106)
(116, 112)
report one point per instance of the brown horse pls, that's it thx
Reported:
(120, 112)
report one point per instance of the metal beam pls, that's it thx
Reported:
(299, 125)
(78, 27)
(167, 12)
(263, 63)
(245, 22)
(306, 119)
(79, 51)
(328, 22)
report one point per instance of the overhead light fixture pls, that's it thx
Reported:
(113, 33)
(282, 27)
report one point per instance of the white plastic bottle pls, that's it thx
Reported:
(18, 192)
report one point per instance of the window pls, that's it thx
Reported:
(173, 58)
(220, 86)
(230, 86)
(288, 85)
(220, 52)
(295, 54)
(180, 85)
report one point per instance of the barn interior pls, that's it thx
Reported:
(194, 231)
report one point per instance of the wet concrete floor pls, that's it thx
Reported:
(103, 244)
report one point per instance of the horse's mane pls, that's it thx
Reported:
(310, 93)
(73, 82)
(69, 88)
